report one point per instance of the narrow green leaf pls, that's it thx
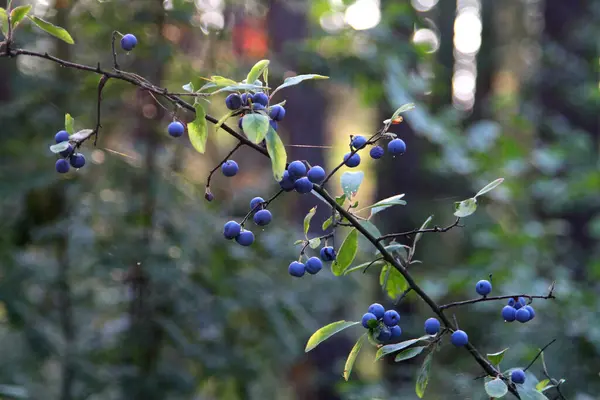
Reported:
(198, 130)
(418, 236)
(392, 348)
(14, 392)
(409, 353)
(351, 181)
(386, 203)
(294, 80)
(188, 87)
(54, 30)
(255, 126)
(59, 147)
(81, 135)
(277, 153)
(221, 81)
(346, 254)
(69, 124)
(307, 219)
(340, 200)
(490, 186)
(496, 388)
(465, 208)
(327, 223)
(18, 13)
(299, 241)
(392, 281)
(363, 266)
(233, 88)
(314, 243)
(400, 249)
(542, 384)
(223, 119)
(352, 356)
(256, 70)
(530, 393)
(326, 332)
(423, 377)
(371, 228)
(404, 108)
(3, 21)
(496, 358)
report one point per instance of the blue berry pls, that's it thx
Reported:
(316, 174)
(231, 230)
(531, 312)
(327, 253)
(263, 217)
(229, 168)
(257, 106)
(511, 302)
(313, 265)
(273, 124)
(297, 269)
(303, 185)
(459, 338)
(287, 183)
(483, 287)
(396, 331)
(175, 129)
(244, 97)
(509, 313)
(517, 376)
(233, 101)
(245, 238)
(77, 160)
(366, 320)
(384, 334)
(297, 169)
(520, 303)
(376, 152)
(67, 152)
(376, 309)
(358, 142)
(277, 112)
(432, 326)
(61, 136)
(352, 161)
(397, 146)
(240, 124)
(391, 318)
(255, 202)
(260, 98)
(522, 315)
(128, 42)
(62, 166)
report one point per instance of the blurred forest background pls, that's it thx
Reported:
(116, 283)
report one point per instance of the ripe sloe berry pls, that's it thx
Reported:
(297, 269)
(128, 42)
(231, 230)
(509, 313)
(396, 331)
(376, 152)
(244, 97)
(313, 265)
(385, 334)
(255, 202)
(459, 338)
(61, 136)
(229, 168)
(316, 174)
(287, 183)
(62, 166)
(366, 320)
(511, 302)
(277, 112)
(391, 318)
(67, 152)
(240, 124)
(432, 326)
(358, 142)
(522, 315)
(260, 98)
(245, 238)
(257, 106)
(531, 312)
(297, 169)
(303, 185)
(175, 129)
(77, 160)
(352, 161)
(327, 253)
(376, 309)
(397, 146)
(233, 101)
(517, 376)
(483, 287)
(262, 217)
(520, 303)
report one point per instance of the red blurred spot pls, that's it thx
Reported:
(250, 38)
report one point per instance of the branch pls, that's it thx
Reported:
(114, 51)
(207, 191)
(435, 229)
(494, 298)
(101, 84)
(539, 354)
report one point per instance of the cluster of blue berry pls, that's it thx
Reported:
(70, 158)
(381, 323)
(261, 217)
(298, 177)
(313, 264)
(518, 310)
(395, 147)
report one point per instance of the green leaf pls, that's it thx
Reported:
(221, 81)
(223, 119)
(362, 266)
(188, 87)
(352, 356)
(423, 377)
(465, 208)
(392, 348)
(496, 358)
(233, 88)
(392, 281)
(255, 126)
(18, 13)
(307, 219)
(294, 80)
(371, 228)
(340, 200)
(326, 332)
(409, 353)
(314, 243)
(418, 236)
(258, 69)
(299, 241)
(69, 124)
(404, 108)
(490, 186)
(351, 181)
(346, 254)
(542, 384)
(496, 388)
(277, 153)
(197, 130)
(54, 30)
(59, 147)
(530, 394)
(327, 223)
(14, 392)
(386, 203)
(3, 21)
(81, 135)
(400, 249)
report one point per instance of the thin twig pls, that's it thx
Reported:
(538, 355)
(212, 171)
(260, 205)
(101, 84)
(114, 51)
(494, 298)
(435, 229)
